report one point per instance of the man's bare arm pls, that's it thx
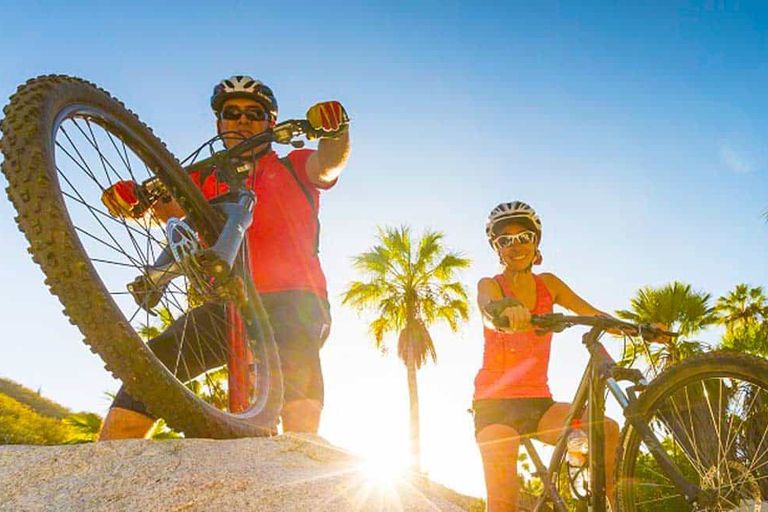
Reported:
(325, 165)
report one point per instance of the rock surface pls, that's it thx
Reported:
(293, 473)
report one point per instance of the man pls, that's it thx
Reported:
(285, 266)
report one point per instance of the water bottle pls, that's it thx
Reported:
(578, 448)
(578, 445)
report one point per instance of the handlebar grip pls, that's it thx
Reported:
(495, 308)
(500, 321)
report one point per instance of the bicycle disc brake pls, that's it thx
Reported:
(188, 252)
(185, 247)
(175, 260)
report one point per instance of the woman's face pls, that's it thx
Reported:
(516, 253)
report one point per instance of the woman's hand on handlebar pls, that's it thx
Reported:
(519, 318)
(507, 315)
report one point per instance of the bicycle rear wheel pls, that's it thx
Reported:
(710, 414)
(64, 142)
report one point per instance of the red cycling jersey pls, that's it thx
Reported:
(282, 237)
(515, 364)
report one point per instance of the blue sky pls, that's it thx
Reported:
(638, 132)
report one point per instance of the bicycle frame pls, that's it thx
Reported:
(601, 373)
(219, 259)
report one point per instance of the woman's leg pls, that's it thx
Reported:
(499, 445)
(551, 425)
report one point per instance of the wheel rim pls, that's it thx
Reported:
(716, 432)
(92, 150)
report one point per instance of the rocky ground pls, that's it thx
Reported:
(292, 473)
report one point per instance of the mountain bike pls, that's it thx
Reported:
(128, 283)
(694, 438)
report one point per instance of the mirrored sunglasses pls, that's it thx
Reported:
(524, 237)
(234, 113)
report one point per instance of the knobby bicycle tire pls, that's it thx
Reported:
(697, 408)
(28, 144)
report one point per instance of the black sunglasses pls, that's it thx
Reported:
(234, 113)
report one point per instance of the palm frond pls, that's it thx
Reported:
(397, 245)
(361, 295)
(676, 306)
(379, 328)
(451, 262)
(375, 262)
(429, 248)
(457, 288)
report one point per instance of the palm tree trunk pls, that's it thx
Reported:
(413, 397)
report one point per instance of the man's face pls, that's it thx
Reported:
(234, 118)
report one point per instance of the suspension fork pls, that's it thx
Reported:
(219, 259)
(692, 493)
(604, 369)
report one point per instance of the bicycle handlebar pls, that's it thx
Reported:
(557, 322)
(283, 133)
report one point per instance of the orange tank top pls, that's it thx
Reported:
(515, 364)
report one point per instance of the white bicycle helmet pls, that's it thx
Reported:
(243, 86)
(516, 210)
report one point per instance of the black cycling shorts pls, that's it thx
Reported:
(522, 414)
(300, 321)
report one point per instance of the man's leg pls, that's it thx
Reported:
(302, 416)
(297, 319)
(125, 424)
(201, 337)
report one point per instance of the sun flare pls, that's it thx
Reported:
(383, 467)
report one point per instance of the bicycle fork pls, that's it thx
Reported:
(605, 373)
(608, 377)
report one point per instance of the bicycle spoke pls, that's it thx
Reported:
(98, 220)
(125, 159)
(716, 428)
(104, 161)
(115, 220)
(110, 262)
(96, 156)
(84, 165)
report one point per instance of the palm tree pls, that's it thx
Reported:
(411, 284)
(677, 307)
(742, 306)
(744, 312)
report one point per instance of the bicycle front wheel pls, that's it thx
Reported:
(710, 414)
(64, 142)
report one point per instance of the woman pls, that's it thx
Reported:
(512, 396)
